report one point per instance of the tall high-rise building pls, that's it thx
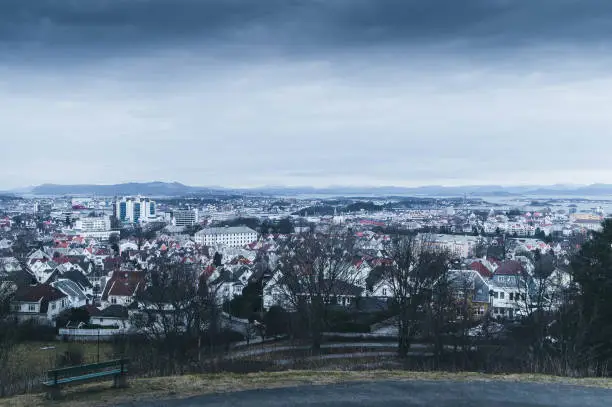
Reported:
(135, 210)
(185, 217)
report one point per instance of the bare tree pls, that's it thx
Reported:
(415, 269)
(448, 304)
(172, 310)
(314, 271)
(23, 245)
(538, 296)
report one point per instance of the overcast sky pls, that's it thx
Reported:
(306, 92)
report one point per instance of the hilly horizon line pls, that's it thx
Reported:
(177, 188)
(311, 186)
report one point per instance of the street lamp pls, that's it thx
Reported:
(98, 344)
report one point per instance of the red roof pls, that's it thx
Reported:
(481, 269)
(123, 283)
(510, 268)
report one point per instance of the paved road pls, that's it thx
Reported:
(407, 394)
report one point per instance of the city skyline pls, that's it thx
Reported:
(306, 93)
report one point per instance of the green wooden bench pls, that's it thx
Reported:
(56, 378)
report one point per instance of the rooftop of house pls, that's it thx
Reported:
(123, 283)
(481, 269)
(70, 288)
(92, 310)
(225, 230)
(38, 292)
(510, 268)
(114, 311)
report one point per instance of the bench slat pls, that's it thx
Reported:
(85, 377)
(92, 366)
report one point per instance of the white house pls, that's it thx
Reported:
(227, 285)
(38, 255)
(382, 289)
(122, 287)
(76, 296)
(127, 245)
(42, 270)
(338, 293)
(111, 316)
(41, 303)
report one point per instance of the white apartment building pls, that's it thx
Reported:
(135, 210)
(93, 224)
(183, 218)
(458, 245)
(96, 227)
(228, 236)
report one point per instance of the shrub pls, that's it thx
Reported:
(72, 356)
(32, 331)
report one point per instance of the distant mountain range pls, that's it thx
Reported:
(178, 189)
(131, 188)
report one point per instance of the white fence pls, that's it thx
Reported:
(90, 334)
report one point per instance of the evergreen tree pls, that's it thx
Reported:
(592, 274)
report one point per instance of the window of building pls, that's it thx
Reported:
(495, 294)
(384, 291)
(501, 295)
(53, 306)
(31, 307)
(113, 300)
(511, 296)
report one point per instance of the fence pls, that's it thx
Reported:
(80, 334)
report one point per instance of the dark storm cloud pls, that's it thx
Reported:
(297, 92)
(297, 25)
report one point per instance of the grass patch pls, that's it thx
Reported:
(189, 385)
(43, 355)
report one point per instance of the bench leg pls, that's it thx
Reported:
(54, 393)
(120, 381)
